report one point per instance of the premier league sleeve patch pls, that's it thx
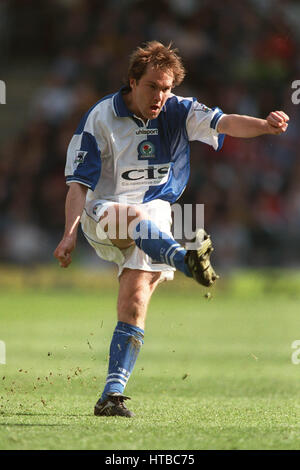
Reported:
(146, 149)
(80, 156)
(201, 107)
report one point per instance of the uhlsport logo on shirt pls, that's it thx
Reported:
(144, 131)
(146, 149)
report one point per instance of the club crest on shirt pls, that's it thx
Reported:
(146, 149)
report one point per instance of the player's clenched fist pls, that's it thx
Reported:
(64, 250)
(277, 122)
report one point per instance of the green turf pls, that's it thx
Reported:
(212, 374)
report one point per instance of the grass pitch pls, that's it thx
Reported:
(213, 373)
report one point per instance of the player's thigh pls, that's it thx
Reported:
(135, 290)
(119, 221)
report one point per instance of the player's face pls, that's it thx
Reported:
(150, 93)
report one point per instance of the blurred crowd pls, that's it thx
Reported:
(240, 56)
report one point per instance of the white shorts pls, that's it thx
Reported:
(159, 212)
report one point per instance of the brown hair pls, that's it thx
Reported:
(160, 56)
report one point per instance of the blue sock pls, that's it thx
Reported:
(124, 348)
(160, 246)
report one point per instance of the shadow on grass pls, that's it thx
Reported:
(32, 425)
(46, 414)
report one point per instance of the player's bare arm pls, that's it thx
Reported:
(75, 202)
(236, 125)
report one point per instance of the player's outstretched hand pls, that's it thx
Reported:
(277, 122)
(64, 250)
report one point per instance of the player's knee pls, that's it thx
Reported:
(134, 306)
(135, 213)
(138, 304)
(104, 221)
(135, 216)
(119, 221)
(134, 220)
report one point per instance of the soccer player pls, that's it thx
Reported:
(126, 163)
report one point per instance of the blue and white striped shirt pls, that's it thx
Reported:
(116, 155)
